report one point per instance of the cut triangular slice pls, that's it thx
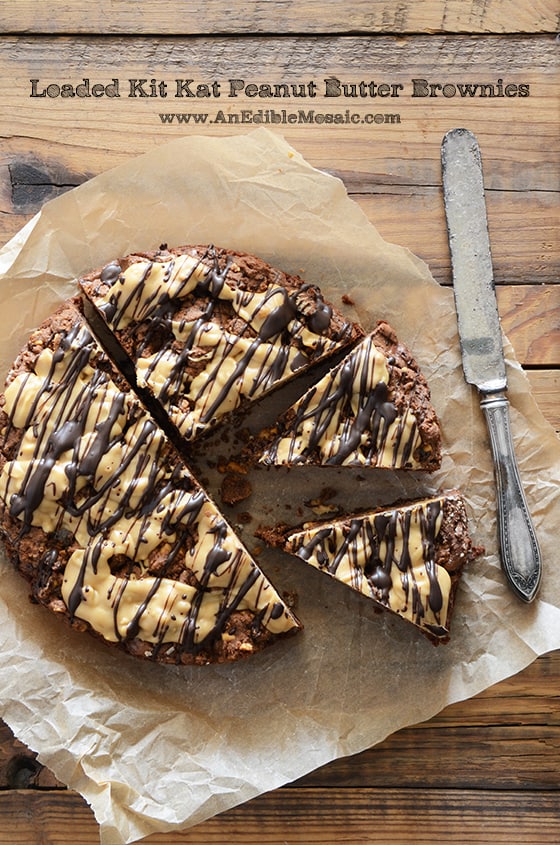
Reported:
(408, 559)
(206, 331)
(109, 527)
(372, 409)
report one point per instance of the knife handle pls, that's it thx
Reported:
(521, 557)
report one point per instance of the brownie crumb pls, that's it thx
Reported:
(235, 488)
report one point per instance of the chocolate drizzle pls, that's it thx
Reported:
(150, 557)
(204, 341)
(348, 417)
(389, 556)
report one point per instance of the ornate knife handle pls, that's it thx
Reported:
(521, 557)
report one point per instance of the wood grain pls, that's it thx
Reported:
(414, 217)
(392, 170)
(309, 16)
(411, 216)
(406, 152)
(292, 816)
(483, 770)
(545, 385)
(507, 736)
(530, 315)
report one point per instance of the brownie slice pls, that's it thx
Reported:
(107, 524)
(206, 330)
(408, 559)
(372, 409)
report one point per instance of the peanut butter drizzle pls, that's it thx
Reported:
(387, 556)
(272, 340)
(92, 464)
(348, 418)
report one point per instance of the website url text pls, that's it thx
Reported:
(281, 117)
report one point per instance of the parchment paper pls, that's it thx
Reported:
(156, 748)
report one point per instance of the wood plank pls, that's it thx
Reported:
(524, 231)
(493, 756)
(297, 816)
(530, 316)
(405, 150)
(508, 736)
(412, 217)
(393, 170)
(19, 768)
(545, 385)
(528, 698)
(168, 16)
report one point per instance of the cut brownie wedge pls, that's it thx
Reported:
(207, 330)
(108, 526)
(408, 558)
(372, 409)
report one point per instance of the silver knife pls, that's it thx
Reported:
(481, 347)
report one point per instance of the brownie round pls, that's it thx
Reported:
(99, 507)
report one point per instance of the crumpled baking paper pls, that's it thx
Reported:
(155, 748)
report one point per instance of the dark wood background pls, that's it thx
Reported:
(485, 770)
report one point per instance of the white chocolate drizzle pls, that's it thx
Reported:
(206, 365)
(91, 465)
(348, 418)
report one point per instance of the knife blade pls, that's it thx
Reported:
(480, 338)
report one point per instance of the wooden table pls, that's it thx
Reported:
(485, 770)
